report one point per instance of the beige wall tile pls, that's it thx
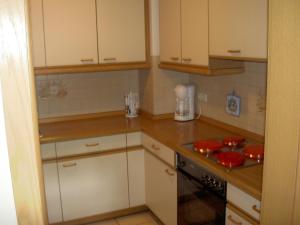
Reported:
(87, 93)
(249, 86)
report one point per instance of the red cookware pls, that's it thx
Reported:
(233, 141)
(231, 159)
(254, 152)
(207, 146)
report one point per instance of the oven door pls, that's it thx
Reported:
(197, 205)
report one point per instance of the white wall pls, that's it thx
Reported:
(7, 206)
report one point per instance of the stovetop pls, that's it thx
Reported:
(213, 156)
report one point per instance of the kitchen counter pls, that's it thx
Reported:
(170, 133)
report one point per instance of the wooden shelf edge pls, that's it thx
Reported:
(91, 68)
(250, 59)
(201, 70)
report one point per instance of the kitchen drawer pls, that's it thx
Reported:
(233, 217)
(48, 151)
(244, 201)
(88, 145)
(134, 139)
(158, 149)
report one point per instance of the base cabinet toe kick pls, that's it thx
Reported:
(100, 178)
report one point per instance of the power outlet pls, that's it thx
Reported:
(202, 97)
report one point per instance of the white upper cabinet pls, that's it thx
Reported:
(70, 32)
(238, 28)
(121, 31)
(184, 31)
(170, 31)
(194, 20)
(37, 33)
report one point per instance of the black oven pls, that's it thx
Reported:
(201, 195)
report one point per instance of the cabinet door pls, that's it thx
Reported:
(136, 176)
(70, 32)
(52, 193)
(194, 16)
(121, 27)
(91, 186)
(170, 34)
(238, 28)
(37, 33)
(161, 190)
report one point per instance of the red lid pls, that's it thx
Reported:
(206, 146)
(254, 151)
(231, 159)
(233, 141)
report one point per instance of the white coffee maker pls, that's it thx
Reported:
(185, 102)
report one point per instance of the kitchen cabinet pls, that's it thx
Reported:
(184, 39)
(136, 177)
(90, 145)
(94, 185)
(184, 31)
(238, 29)
(37, 33)
(194, 22)
(121, 27)
(243, 201)
(170, 31)
(52, 192)
(161, 189)
(70, 32)
(233, 217)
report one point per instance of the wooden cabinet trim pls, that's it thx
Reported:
(242, 213)
(240, 58)
(202, 70)
(105, 216)
(91, 68)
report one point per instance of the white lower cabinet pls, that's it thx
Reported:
(233, 218)
(95, 185)
(52, 192)
(136, 177)
(161, 189)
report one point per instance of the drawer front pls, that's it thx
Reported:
(243, 201)
(160, 150)
(48, 151)
(113, 142)
(233, 218)
(88, 145)
(134, 139)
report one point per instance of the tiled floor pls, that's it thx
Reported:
(136, 219)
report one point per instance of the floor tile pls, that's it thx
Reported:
(136, 219)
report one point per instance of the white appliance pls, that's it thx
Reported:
(185, 102)
(131, 104)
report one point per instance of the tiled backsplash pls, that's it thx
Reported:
(84, 93)
(102, 92)
(250, 86)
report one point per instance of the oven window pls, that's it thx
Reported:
(198, 205)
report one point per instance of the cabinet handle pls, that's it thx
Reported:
(109, 59)
(174, 58)
(155, 147)
(92, 145)
(87, 60)
(69, 165)
(234, 221)
(234, 51)
(187, 59)
(169, 173)
(256, 209)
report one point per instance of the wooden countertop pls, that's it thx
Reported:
(169, 132)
